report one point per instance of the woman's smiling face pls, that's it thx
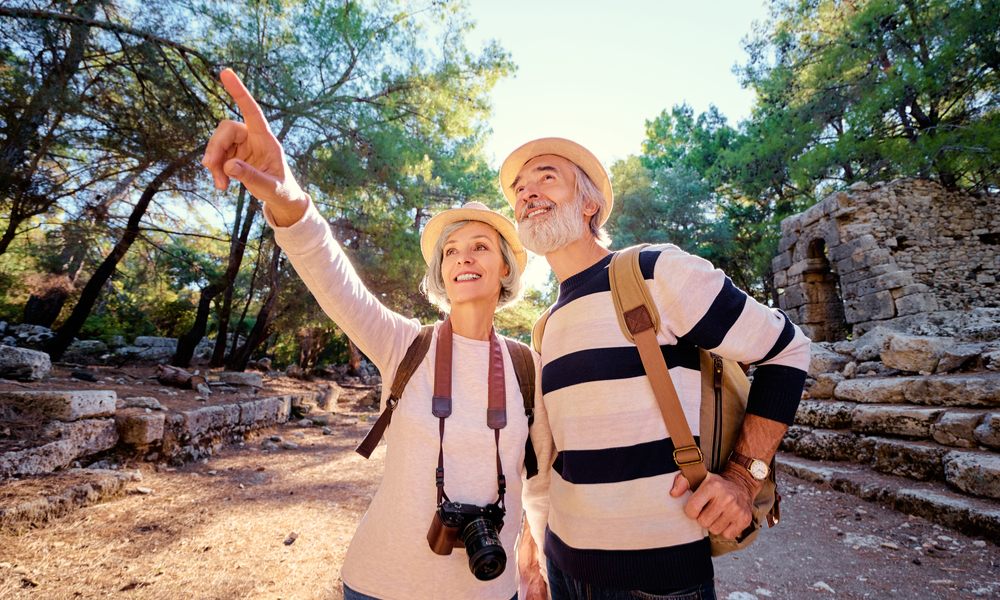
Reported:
(472, 264)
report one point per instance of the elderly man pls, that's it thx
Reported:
(619, 519)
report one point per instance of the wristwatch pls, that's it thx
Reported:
(758, 469)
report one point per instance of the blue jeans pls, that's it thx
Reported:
(350, 594)
(564, 587)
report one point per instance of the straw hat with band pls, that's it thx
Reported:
(472, 211)
(571, 151)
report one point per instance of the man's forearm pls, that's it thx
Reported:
(759, 438)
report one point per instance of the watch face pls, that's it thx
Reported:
(758, 469)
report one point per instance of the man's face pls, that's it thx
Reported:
(549, 213)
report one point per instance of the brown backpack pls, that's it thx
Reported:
(724, 390)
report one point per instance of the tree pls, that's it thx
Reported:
(879, 89)
(381, 123)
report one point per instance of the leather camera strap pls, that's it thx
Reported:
(441, 402)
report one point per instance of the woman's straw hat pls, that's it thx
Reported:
(571, 151)
(472, 211)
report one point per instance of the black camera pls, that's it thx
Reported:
(475, 528)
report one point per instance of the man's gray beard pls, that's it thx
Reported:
(565, 227)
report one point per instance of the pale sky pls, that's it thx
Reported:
(594, 71)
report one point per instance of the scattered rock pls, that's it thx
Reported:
(23, 364)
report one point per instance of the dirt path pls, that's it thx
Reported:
(218, 529)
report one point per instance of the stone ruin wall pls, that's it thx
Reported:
(895, 255)
(911, 270)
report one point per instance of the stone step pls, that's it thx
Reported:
(65, 406)
(96, 486)
(73, 440)
(933, 501)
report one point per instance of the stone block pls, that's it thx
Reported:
(22, 364)
(239, 378)
(790, 441)
(848, 249)
(899, 420)
(958, 357)
(824, 386)
(917, 460)
(824, 444)
(914, 353)
(780, 279)
(916, 304)
(65, 406)
(824, 414)
(822, 361)
(791, 225)
(882, 283)
(145, 341)
(973, 390)
(139, 428)
(865, 260)
(794, 296)
(147, 352)
(956, 428)
(869, 346)
(202, 420)
(781, 262)
(812, 214)
(872, 307)
(80, 438)
(976, 473)
(909, 290)
(988, 433)
(872, 391)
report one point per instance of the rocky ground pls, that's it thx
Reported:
(259, 521)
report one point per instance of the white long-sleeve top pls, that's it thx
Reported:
(389, 557)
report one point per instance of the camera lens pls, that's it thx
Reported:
(487, 558)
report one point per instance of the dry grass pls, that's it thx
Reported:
(203, 536)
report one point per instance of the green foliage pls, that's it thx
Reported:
(873, 90)
(516, 321)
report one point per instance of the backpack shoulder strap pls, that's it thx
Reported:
(538, 329)
(524, 370)
(411, 360)
(629, 289)
(640, 320)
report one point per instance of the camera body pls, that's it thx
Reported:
(475, 528)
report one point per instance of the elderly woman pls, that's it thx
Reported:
(458, 426)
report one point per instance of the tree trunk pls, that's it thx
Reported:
(354, 362)
(64, 337)
(265, 318)
(219, 353)
(187, 342)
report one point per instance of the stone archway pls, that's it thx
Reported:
(823, 312)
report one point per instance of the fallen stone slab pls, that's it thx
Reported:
(915, 353)
(240, 378)
(95, 486)
(65, 406)
(822, 361)
(145, 341)
(76, 439)
(929, 500)
(23, 364)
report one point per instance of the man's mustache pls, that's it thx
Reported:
(533, 205)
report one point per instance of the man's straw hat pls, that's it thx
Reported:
(571, 151)
(472, 211)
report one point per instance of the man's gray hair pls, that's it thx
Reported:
(433, 284)
(592, 197)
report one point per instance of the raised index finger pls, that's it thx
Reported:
(252, 115)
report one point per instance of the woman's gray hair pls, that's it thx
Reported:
(591, 197)
(433, 284)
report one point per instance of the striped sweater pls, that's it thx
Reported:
(611, 520)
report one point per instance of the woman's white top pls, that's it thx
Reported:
(389, 557)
